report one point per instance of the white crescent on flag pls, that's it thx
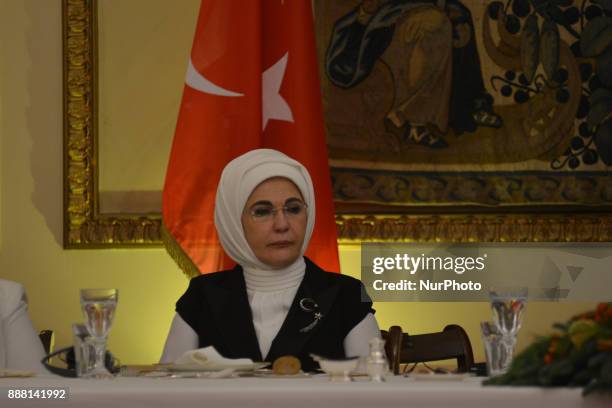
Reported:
(197, 81)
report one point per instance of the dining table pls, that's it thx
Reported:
(300, 392)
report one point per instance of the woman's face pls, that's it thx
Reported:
(276, 236)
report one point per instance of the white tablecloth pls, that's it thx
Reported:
(295, 393)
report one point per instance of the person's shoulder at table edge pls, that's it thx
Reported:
(11, 295)
(227, 276)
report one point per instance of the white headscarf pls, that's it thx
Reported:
(238, 180)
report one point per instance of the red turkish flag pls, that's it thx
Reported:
(252, 82)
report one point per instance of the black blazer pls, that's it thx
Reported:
(216, 306)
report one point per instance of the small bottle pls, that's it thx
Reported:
(376, 362)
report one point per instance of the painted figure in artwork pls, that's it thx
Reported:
(430, 50)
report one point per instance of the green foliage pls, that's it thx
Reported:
(578, 355)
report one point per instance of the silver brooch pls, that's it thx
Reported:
(310, 306)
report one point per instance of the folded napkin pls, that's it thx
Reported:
(210, 356)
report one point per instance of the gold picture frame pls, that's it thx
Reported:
(86, 227)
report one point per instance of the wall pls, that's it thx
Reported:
(148, 281)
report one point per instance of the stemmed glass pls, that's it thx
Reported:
(508, 305)
(99, 306)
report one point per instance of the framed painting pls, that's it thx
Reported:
(447, 121)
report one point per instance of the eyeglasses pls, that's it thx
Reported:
(265, 213)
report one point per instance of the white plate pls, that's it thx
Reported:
(214, 367)
(440, 377)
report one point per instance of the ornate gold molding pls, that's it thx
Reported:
(476, 228)
(528, 189)
(79, 118)
(85, 227)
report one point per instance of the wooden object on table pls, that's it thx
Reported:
(451, 343)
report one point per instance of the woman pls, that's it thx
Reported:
(20, 347)
(275, 302)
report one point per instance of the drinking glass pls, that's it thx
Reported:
(508, 305)
(496, 352)
(99, 306)
(84, 351)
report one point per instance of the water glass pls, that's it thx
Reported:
(84, 350)
(497, 351)
(99, 306)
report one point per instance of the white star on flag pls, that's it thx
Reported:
(273, 104)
